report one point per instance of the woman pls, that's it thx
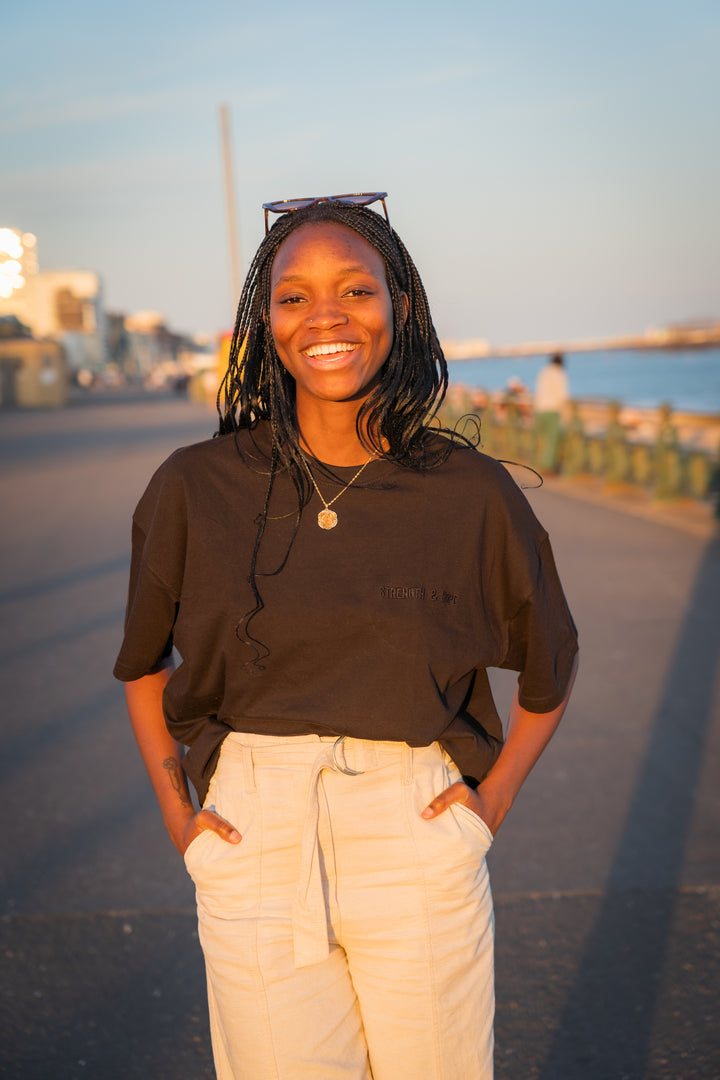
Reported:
(336, 577)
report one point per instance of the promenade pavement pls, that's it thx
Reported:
(606, 873)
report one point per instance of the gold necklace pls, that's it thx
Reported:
(327, 518)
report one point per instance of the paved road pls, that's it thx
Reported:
(606, 875)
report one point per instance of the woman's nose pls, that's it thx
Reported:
(325, 314)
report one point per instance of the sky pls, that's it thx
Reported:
(553, 167)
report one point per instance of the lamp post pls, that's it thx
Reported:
(226, 141)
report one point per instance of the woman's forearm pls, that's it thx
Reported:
(161, 754)
(163, 760)
(527, 736)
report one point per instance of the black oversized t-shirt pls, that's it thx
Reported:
(380, 628)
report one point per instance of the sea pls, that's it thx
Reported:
(687, 379)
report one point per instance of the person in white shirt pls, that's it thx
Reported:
(551, 394)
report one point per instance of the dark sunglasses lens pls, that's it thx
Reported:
(359, 200)
(288, 204)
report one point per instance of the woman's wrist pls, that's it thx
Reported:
(493, 803)
(177, 830)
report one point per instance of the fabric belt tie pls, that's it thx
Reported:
(309, 914)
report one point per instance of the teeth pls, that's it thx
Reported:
(331, 347)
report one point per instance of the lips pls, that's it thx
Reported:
(330, 348)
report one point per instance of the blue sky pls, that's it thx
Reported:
(554, 168)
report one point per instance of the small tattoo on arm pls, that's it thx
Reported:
(172, 766)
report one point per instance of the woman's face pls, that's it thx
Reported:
(330, 312)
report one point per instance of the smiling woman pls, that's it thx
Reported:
(333, 696)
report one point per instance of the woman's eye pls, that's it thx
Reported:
(359, 291)
(292, 300)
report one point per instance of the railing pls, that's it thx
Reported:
(662, 464)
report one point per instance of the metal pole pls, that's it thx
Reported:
(235, 282)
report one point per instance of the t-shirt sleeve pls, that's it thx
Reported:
(542, 638)
(156, 571)
(525, 596)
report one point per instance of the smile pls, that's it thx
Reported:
(331, 348)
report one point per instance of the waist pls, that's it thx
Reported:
(357, 754)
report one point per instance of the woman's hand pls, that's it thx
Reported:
(527, 736)
(202, 821)
(480, 802)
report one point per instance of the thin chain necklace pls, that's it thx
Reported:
(327, 518)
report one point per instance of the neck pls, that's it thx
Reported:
(328, 433)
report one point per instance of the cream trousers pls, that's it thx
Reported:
(345, 936)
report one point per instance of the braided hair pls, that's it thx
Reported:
(393, 421)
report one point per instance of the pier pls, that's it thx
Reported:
(661, 338)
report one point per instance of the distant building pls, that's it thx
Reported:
(33, 374)
(686, 333)
(147, 348)
(65, 305)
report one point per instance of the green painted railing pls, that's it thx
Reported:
(663, 466)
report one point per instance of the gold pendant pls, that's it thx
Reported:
(327, 519)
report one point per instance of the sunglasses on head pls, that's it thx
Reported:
(286, 206)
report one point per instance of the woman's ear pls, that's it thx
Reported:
(406, 306)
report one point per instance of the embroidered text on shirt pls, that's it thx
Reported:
(402, 592)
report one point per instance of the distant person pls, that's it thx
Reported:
(515, 386)
(552, 391)
(336, 574)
